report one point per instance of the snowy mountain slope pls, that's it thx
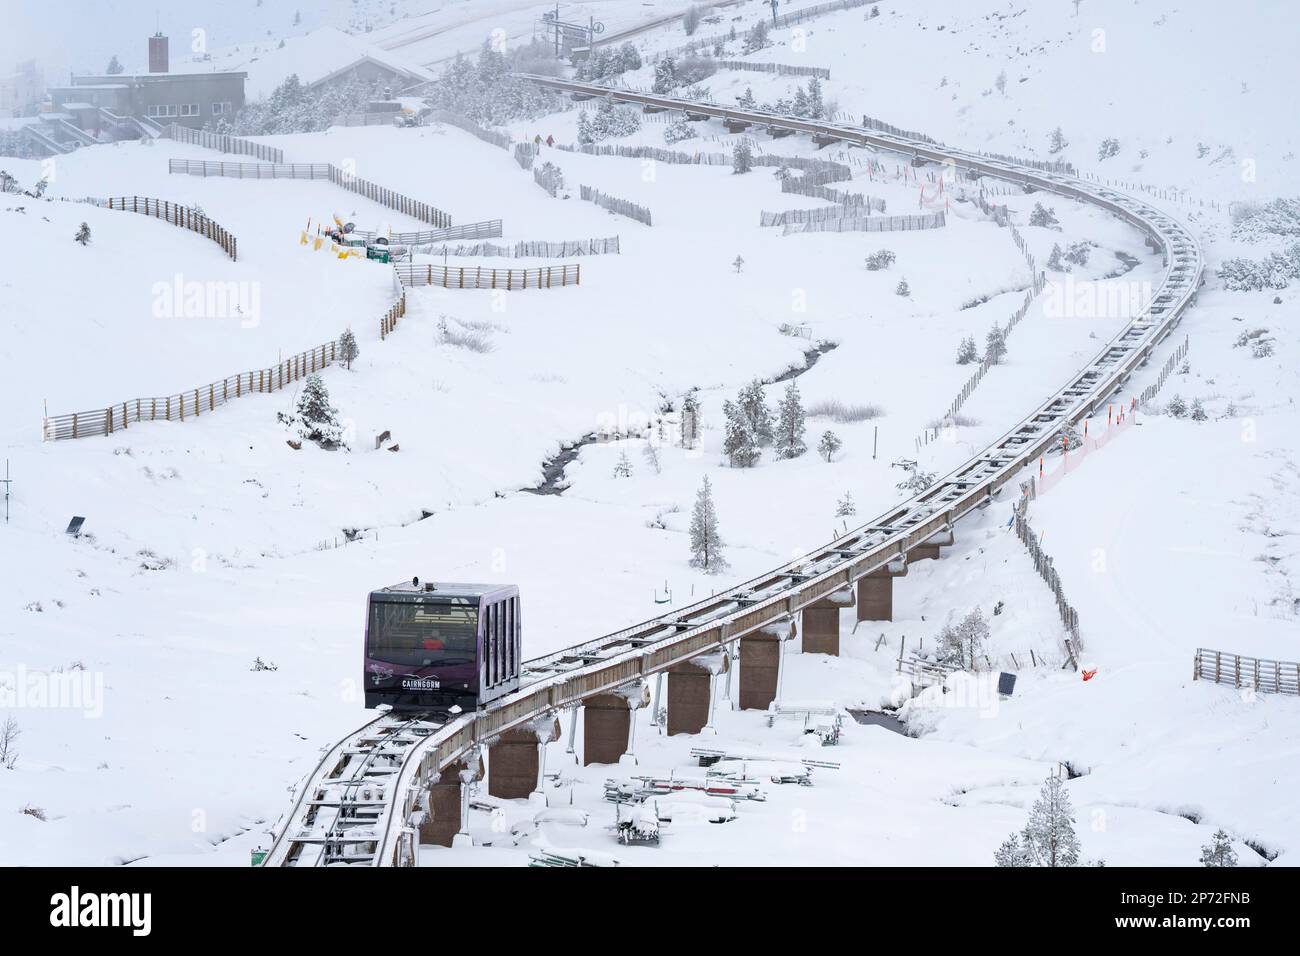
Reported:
(238, 514)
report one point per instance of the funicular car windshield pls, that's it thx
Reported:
(422, 633)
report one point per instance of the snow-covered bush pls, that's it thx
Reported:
(830, 444)
(1254, 221)
(1197, 413)
(1048, 838)
(738, 442)
(1043, 216)
(488, 91)
(1078, 253)
(902, 288)
(1176, 408)
(752, 403)
(1273, 272)
(1054, 260)
(690, 422)
(1057, 142)
(963, 644)
(607, 121)
(742, 157)
(917, 480)
(1262, 348)
(623, 467)
(880, 259)
(845, 508)
(83, 234)
(756, 38)
(606, 64)
(1107, 148)
(679, 132)
(1219, 851)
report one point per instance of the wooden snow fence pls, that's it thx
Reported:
(341, 178)
(620, 207)
(476, 277)
(933, 220)
(1047, 571)
(223, 143)
(780, 69)
(195, 402)
(1221, 667)
(185, 217)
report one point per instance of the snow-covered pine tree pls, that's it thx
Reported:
(967, 352)
(691, 20)
(1177, 408)
(706, 542)
(665, 76)
(790, 424)
(995, 345)
(1042, 216)
(83, 234)
(690, 420)
(830, 443)
(623, 467)
(1197, 413)
(742, 157)
(880, 259)
(1049, 838)
(1078, 253)
(902, 288)
(114, 66)
(348, 349)
(816, 102)
(753, 405)
(746, 100)
(800, 107)
(1054, 260)
(738, 443)
(314, 418)
(651, 455)
(738, 263)
(1058, 141)
(845, 508)
(678, 132)
(1219, 851)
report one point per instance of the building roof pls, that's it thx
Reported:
(315, 57)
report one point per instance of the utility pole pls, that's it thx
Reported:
(7, 480)
(773, 4)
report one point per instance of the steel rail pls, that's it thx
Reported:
(565, 678)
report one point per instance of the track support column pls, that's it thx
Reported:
(821, 623)
(516, 761)
(446, 817)
(607, 723)
(876, 591)
(690, 692)
(760, 663)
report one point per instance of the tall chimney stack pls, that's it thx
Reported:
(158, 53)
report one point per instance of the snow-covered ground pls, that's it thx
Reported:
(211, 542)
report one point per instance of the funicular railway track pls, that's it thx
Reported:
(393, 760)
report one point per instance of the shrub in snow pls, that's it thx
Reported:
(845, 508)
(1001, 81)
(31, 810)
(1068, 438)
(742, 157)
(738, 442)
(605, 63)
(829, 445)
(967, 352)
(1048, 838)
(9, 734)
(1273, 272)
(738, 263)
(995, 345)
(746, 100)
(1219, 851)
(690, 424)
(347, 348)
(665, 76)
(315, 419)
(880, 259)
(487, 90)
(261, 665)
(1078, 253)
(902, 288)
(1057, 141)
(963, 643)
(917, 480)
(752, 403)
(679, 132)
(651, 455)
(1197, 413)
(790, 424)
(1042, 216)
(706, 543)
(756, 38)
(1252, 221)
(83, 235)
(816, 102)
(1177, 408)
(1262, 348)
(1109, 147)
(607, 121)
(623, 468)
(691, 70)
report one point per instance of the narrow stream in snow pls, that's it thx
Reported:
(553, 480)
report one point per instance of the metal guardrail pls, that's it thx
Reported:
(565, 678)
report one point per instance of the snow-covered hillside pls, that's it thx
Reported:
(213, 543)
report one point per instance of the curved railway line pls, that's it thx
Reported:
(369, 793)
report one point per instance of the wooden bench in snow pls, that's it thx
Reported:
(925, 673)
(823, 719)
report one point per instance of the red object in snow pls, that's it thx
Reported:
(1089, 675)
